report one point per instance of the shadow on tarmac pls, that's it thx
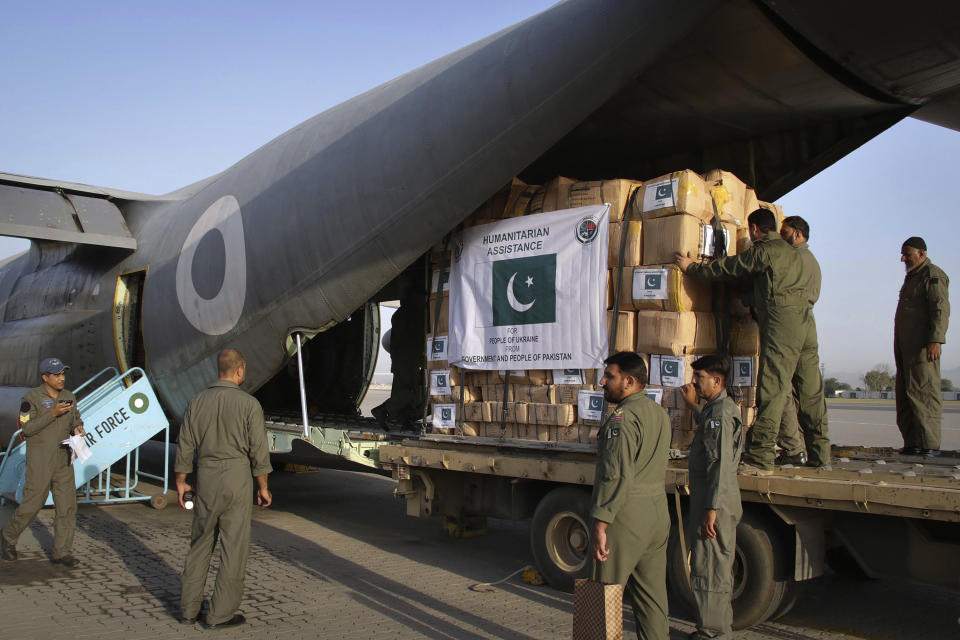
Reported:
(375, 590)
(153, 573)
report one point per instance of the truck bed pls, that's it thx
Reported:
(863, 480)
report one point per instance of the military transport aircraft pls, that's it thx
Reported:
(306, 234)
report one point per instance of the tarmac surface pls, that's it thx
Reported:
(336, 557)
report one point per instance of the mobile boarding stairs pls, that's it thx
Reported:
(118, 416)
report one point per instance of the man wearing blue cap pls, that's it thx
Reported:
(48, 416)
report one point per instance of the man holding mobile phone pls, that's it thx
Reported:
(48, 416)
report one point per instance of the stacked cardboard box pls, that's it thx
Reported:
(660, 313)
(675, 325)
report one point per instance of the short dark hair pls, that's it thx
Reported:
(916, 242)
(229, 361)
(799, 224)
(764, 219)
(714, 364)
(631, 363)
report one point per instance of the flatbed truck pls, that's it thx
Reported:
(874, 511)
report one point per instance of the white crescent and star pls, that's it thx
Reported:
(512, 299)
(652, 282)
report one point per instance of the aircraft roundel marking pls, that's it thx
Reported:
(219, 314)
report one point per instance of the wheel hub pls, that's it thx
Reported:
(567, 539)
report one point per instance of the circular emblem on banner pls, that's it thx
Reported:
(587, 229)
(139, 402)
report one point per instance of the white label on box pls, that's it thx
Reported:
(440, 383)
(444, 277)
(445, 416)
(437, 348)
(658, 195)
(744, 374)
(590, 405)
(654, 394)
(666, 371)
(649, 284)
(706, 239)
(568, 376)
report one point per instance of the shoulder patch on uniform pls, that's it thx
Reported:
(24, 407)
(934, 280)
(714, 423)
(613, 433)
(24, 418)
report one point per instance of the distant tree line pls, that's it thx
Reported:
(880, 378)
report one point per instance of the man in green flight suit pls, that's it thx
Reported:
(806, 440)
(48, 416)
(223, 425)
(715, 508)
(631, 523)
(919, 332)
(775, 272)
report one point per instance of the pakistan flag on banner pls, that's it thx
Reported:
(530, 292)
(525, 290)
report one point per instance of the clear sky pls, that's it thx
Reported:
(150, 97)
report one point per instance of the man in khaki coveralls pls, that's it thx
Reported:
(798, 439)
(631, 522)
(224, 427)
(919, 331)
(776, 274)
(715, 508)
(48, 416)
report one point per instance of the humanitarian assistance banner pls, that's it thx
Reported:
(530, 292)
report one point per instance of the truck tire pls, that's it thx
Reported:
(560, 536)
(757, 591)
(793, 593)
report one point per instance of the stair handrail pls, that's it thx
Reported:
(9, 448)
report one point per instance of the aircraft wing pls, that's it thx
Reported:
(42, 209)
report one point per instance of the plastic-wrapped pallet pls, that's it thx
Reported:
(664, 288)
